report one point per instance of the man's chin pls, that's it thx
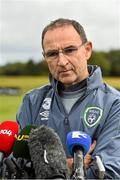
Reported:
(67, 81)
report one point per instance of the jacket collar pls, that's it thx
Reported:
(93, 81)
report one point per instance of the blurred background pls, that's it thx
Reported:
(22, 66)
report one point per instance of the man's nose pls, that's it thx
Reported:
(62, 59)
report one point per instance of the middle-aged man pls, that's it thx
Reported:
(76, 98)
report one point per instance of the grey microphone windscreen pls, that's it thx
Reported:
(47, 154)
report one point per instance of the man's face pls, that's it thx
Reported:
(69, 66)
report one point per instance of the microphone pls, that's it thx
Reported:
(23, 165)
(8, 134)
(47, 154)
(78, 144)
(21, 149)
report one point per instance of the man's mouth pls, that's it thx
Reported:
(65, 71)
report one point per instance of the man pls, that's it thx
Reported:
(76, 98)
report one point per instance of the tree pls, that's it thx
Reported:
(100, 59)
(114, 58)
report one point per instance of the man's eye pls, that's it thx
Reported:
(52, 54)
(70, 50)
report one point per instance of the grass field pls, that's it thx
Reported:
(10, 104)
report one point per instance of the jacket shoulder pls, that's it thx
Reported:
(34, 94)
(111, 90)
(39, 89)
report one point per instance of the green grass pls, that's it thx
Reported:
(24, 82)
(8, 107)
(9, 104)
(113, 81)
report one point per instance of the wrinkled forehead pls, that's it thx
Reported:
(58, 35)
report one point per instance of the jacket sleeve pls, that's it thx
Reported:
(108, 145)
(23, 116)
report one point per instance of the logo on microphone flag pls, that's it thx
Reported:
(78, 134)
(92, 116)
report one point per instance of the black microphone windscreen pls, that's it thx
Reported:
(47, 154)
(21, 149)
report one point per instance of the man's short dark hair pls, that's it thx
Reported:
(62, 22)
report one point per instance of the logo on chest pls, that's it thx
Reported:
(45, 109)
(92, 116)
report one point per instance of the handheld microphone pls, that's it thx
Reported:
(21, 149)
(100, 167)
(47, 154)
(8, 134)
(78, 144)
(23, 165)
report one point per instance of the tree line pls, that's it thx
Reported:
(108, 61)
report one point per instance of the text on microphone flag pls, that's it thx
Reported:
(78, 134)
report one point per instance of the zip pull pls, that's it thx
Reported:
(66, 122)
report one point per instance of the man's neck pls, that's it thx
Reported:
(74, 87)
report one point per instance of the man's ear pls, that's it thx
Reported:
(88, 48)
(43, 54)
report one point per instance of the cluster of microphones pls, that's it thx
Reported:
(37, 153)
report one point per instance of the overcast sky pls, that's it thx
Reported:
(22, 21)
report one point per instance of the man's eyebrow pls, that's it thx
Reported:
(51, 50)
(70, 46)
(66, 47)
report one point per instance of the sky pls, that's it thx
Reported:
(22, 22)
